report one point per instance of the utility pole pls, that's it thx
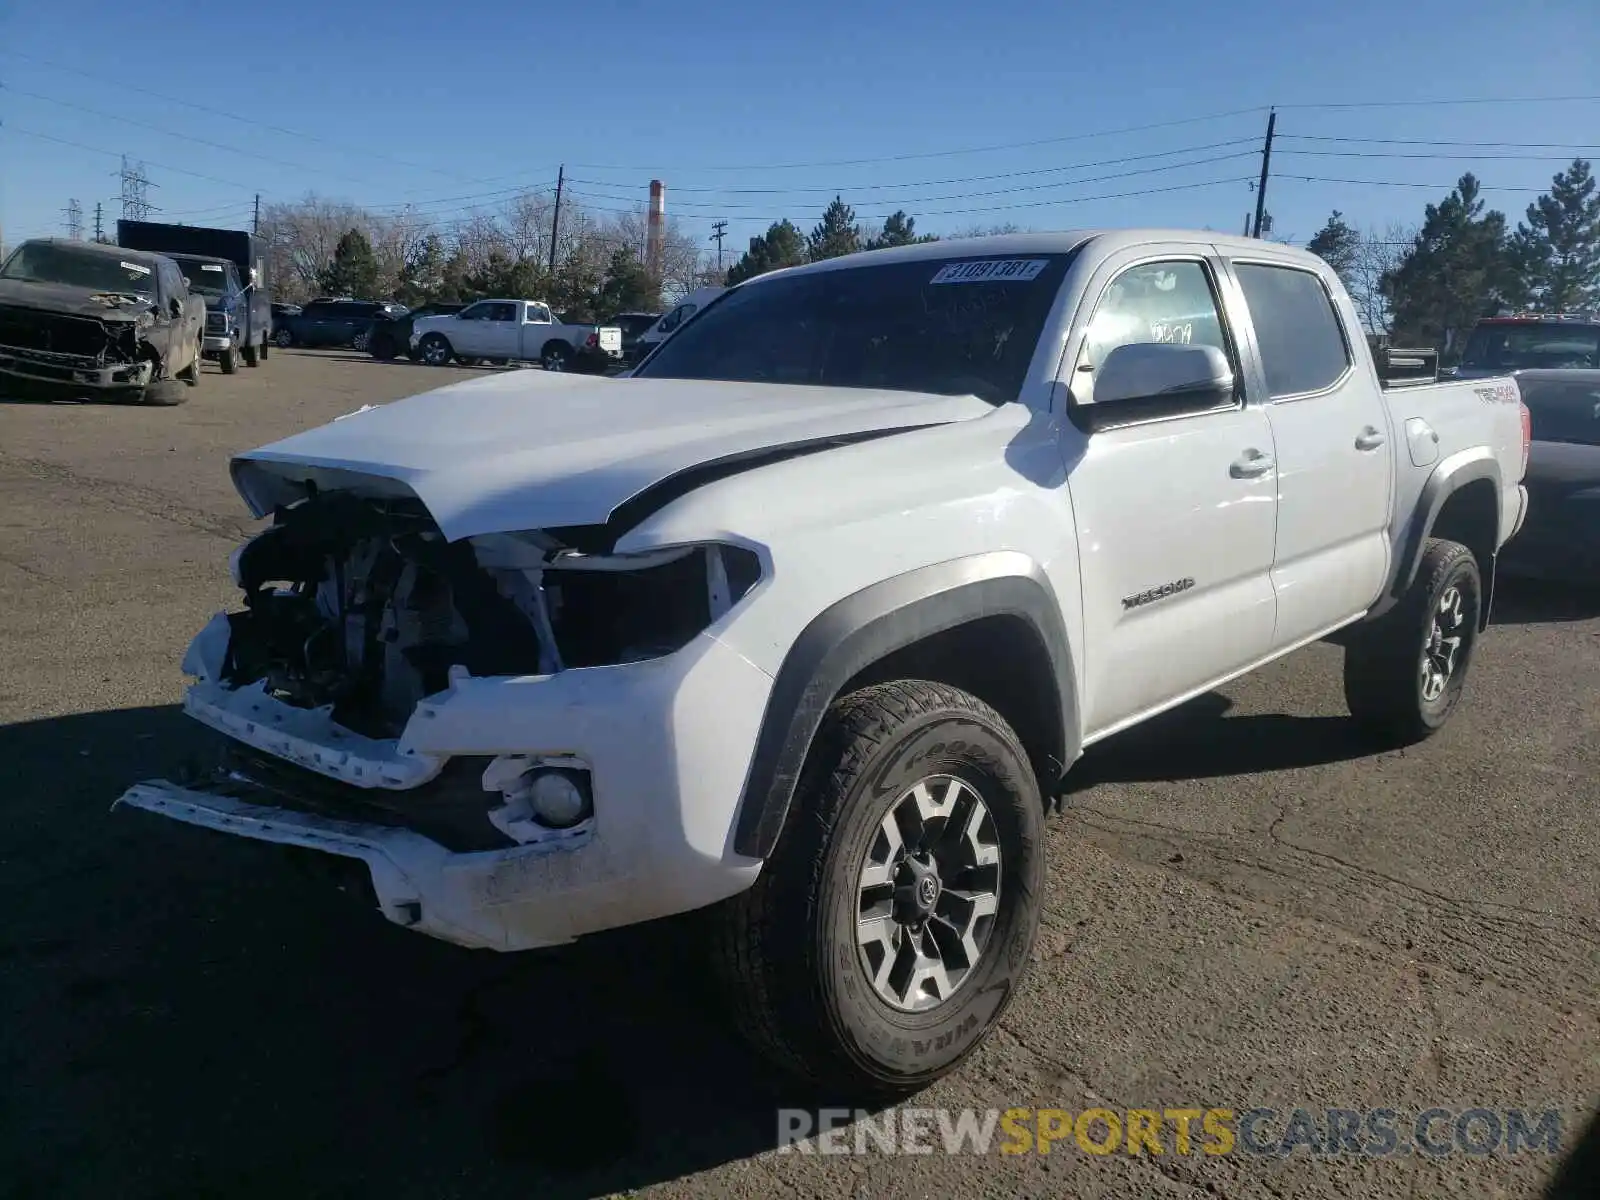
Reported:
(74, 212)
(555, 218)
(721, 230)
(99, 222)
(255, 222)
(1266, 162)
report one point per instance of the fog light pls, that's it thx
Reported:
(558, 800)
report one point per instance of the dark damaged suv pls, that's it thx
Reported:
(80, 319)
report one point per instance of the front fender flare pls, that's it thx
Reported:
(864, 627)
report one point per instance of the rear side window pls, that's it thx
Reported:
(1302, 341)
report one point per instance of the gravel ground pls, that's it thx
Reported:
(1245, 909)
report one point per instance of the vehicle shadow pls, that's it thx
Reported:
(1524, 600)
(1578, 1176)
(194, 1016)
(1198, 740)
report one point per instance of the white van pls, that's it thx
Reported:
(673, 319)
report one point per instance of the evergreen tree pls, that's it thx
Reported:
(783, 245)
(1458, 269)
(627, 286)
(354, 269)
(898, 230)
(1557, 249)
(836, 234)
(1338, 245)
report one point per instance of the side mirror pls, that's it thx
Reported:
(1145, 380)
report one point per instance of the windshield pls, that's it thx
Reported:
(209, 279)
(42, 262)
(951, 326)
(1550, 345)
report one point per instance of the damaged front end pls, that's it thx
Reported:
(77, 351)
(359, 619)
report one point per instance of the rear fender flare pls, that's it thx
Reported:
(1449, 477)
(866, 626)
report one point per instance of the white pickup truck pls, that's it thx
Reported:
(803, 625)
(515, 331)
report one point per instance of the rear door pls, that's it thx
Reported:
(1174, 515)
(1335, 447)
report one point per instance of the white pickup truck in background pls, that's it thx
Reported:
(804, 622)
(515, 331)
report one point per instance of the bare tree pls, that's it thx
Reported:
(1378, 253)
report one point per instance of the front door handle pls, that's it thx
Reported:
(1369, 439)
(1253, 465)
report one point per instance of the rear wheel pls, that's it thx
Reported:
(1404, 673)
(435, 350)
(361, 340)
(556, 357)
(249, 355)
(284, 338)
(265, 342)
(892, 925)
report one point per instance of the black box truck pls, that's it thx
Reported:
(229, 268)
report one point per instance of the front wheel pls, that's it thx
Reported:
(1404, 673)
(248, 353)
(892, 925)
(360, 341)
(435, 350)
(284, 338)
(229, 360)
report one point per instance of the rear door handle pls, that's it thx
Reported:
(1369, 439)
(1253, 465)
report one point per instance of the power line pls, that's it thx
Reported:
(1413, 154)
(883, 158)
(124, 86)
(1438, 187)
(857, 188)
(1309, 137)
(1034, 187)
(10, 128)
(1445, 103)
(95, 112)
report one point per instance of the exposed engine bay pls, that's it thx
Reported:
(361, 606)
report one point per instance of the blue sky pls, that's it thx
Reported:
(750, 113)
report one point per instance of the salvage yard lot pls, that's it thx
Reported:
(1245, 908)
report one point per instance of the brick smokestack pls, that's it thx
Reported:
(653, 227)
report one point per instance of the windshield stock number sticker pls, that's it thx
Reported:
(135, 267)
(1010, 270)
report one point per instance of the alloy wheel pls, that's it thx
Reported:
(929, 890)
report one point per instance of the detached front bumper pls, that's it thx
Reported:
(69, 370)
(667, 743)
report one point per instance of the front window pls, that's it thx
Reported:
(951, 326)
(44, 262)
(1550, 345)
(208, 279)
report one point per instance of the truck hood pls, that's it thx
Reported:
(79, 301)
(525, 450)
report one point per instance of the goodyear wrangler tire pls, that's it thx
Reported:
(891, 927)
(1404, 673)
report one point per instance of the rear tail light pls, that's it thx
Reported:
(1527, 434)
(592, 340)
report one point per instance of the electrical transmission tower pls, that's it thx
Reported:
(74, 214)
(99, 223)
(136, 204)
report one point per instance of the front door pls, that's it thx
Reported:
(501, 332)
(1335, 450)
(1174, 516)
